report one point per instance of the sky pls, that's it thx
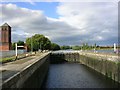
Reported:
(64, 23)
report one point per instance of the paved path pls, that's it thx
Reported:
(9, 69)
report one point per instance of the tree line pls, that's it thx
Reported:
(38, 42)
(84, 46)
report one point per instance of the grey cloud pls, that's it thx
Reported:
(98, 17)
(16, 37)
(100, 22)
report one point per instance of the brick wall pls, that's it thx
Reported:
(5, 47)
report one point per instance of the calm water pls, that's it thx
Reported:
(74, 75)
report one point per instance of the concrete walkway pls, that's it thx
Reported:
(110, 57)
(9, 69)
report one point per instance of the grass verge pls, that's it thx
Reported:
(7, 59)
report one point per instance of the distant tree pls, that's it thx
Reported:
(13, 46)
(85, 46)
(65, 47)
(76, 47)
(19, 43)
(37, 42)
(45, 44)
(55, 46)
(95, 45)
(28, 42)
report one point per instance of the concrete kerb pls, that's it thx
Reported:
(14, 79)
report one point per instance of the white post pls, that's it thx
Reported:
(115, 47)
(16, 49)
(31, 46)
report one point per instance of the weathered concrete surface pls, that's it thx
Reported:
(15, 74)
(61, 57)
(108, 65)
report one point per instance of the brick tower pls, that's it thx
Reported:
(5, 37)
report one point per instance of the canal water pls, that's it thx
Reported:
(75, 75)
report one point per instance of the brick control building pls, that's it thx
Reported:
(5, 37)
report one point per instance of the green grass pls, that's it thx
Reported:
(119, 64)
(12, 58)
(7, 59)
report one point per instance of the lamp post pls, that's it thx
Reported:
(31, 45)
(41, 46)
(16, 50)
(115, 47)
(81, 45)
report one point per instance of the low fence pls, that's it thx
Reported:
(11, 53)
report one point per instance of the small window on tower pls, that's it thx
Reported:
(5, 29)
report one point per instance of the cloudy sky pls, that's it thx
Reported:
(65, 23)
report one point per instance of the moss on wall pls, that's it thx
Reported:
(109, 68)
(99, 63)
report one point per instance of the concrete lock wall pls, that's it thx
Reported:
(62, 57)
(33, 75)
(102, 64)
(34, 72)
(107, 65)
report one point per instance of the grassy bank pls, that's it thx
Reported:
(13, 58)
(20, 56)
(7, 59)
